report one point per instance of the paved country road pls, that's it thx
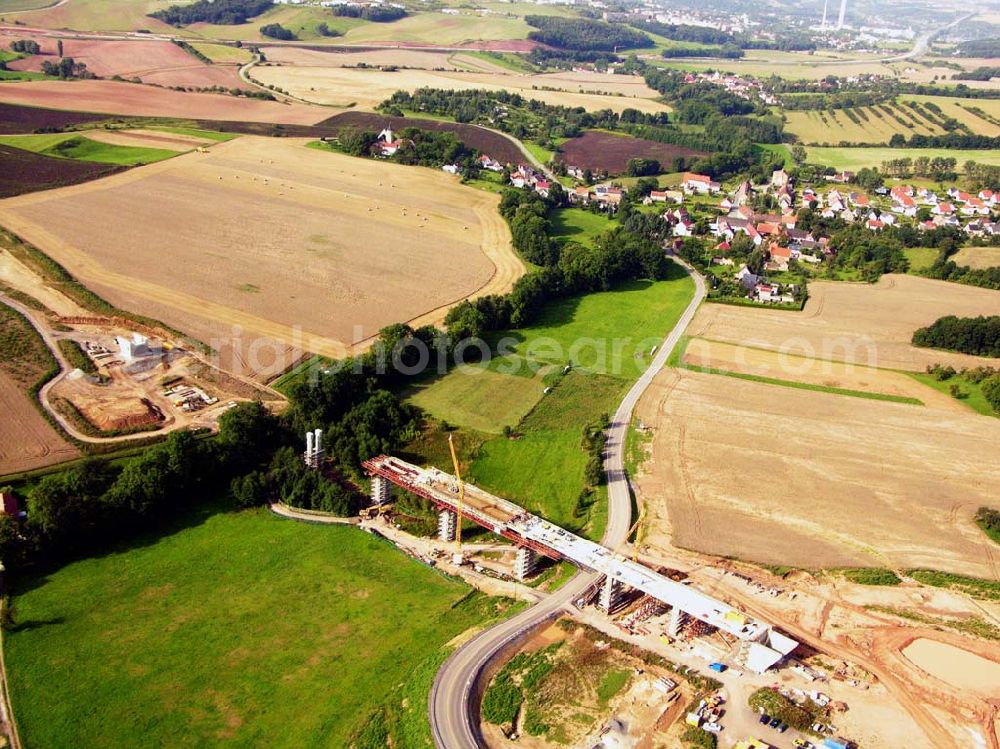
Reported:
(455, 695)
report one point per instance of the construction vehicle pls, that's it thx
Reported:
(461, 496)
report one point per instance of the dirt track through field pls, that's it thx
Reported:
(26, 439)
(263, 239)
(784, 476)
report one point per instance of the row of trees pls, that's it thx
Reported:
(979, 336)
(939, 168)
(97, 503)
(26, 46)
(568, 268)
(66, 68)
(947, 140)
(513, 113)
(226, 12)
(421, 147)
(375, 13)
(585, 34)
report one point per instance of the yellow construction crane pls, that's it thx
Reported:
(637, 530)
(640, 527)
(461, 497)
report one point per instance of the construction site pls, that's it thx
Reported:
(755, 645)
(120, 381)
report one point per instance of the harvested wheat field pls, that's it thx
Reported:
(871, 325)
(814, 479)
(148, 139)
(160, 62)
(113, 97)
(365, 88)
(978, 257)
(262, 240)
(27, 440)
(729, 357)
(336, 57)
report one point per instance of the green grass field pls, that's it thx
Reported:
(224, 52)
(481, 397)
(920, 258)
(578, 225)
(301, 20)
(14, 6)
(857, 158)
(543, 468)
(439, 28)
(75, 146)
(610, 332)
(234, 629)
(972, 393)
(542, 471)
(92, 15)
(197, 133)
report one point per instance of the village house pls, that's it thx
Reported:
(490, 164)
(699, 184)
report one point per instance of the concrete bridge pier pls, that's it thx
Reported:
(610, 595)
(676, 621)
(524, 563)
(446, 526)
(380, 490)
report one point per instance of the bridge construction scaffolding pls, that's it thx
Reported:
(761, 645)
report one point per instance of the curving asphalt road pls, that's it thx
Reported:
(455, 695)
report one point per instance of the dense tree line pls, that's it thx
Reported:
(545, 57)
(584, 34)
(226, 12)
(420, 147)
(97, 503)
(726, 52)
(277, 31)
(617, 255)
(375, 13)
(979, 48)
(868, 252)
(982, 73)
(946, 140)
(685, 33)
(946, 269)
(513, 113)
(979, 336)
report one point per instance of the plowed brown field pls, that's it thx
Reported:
(158, 62)
(263, 240)
(113, 97)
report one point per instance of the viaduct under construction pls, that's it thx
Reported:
(758, 645)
